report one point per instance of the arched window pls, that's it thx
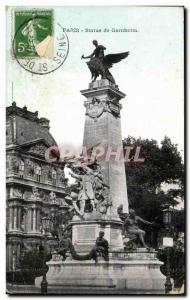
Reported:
(38, 172)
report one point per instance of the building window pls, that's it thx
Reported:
(54, 176)
(21, 168)
(38, 172)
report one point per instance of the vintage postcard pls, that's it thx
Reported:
(95, 150)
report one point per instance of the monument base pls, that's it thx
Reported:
(85, 233)
(136, 271)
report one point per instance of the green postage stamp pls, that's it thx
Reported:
(31, 28)
(40, 44)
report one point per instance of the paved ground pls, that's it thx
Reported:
(30, 289)
(22, 289)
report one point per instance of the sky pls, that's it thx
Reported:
(151, 76)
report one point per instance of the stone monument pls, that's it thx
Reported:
(103, 188)
(103, 128)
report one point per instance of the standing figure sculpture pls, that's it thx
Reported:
(100, 64)
(86, 191)
(90, 192)
(101, 191)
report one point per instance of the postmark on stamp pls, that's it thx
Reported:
(40, 46)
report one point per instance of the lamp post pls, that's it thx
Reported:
(45, 227)
(168, 243)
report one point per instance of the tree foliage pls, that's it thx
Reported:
(176, 263)
(147, 193)
(162, 165)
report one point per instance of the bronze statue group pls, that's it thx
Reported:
(131, 233)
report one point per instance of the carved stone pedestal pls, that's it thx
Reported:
(137, 272)
(85, 233)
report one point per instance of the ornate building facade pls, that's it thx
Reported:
(34, 186)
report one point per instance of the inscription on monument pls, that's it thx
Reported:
(86, 233)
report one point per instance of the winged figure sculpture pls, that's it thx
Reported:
(100, 64)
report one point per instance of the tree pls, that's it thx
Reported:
(145, 183)
(145, 180)
(177, 263)
(30, 266)
(163, 164)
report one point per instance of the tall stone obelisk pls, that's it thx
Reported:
(102, 130)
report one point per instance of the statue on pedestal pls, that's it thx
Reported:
(91, 193)
(131, 228)
(100, 248)
(86, 192)
(100, 64)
